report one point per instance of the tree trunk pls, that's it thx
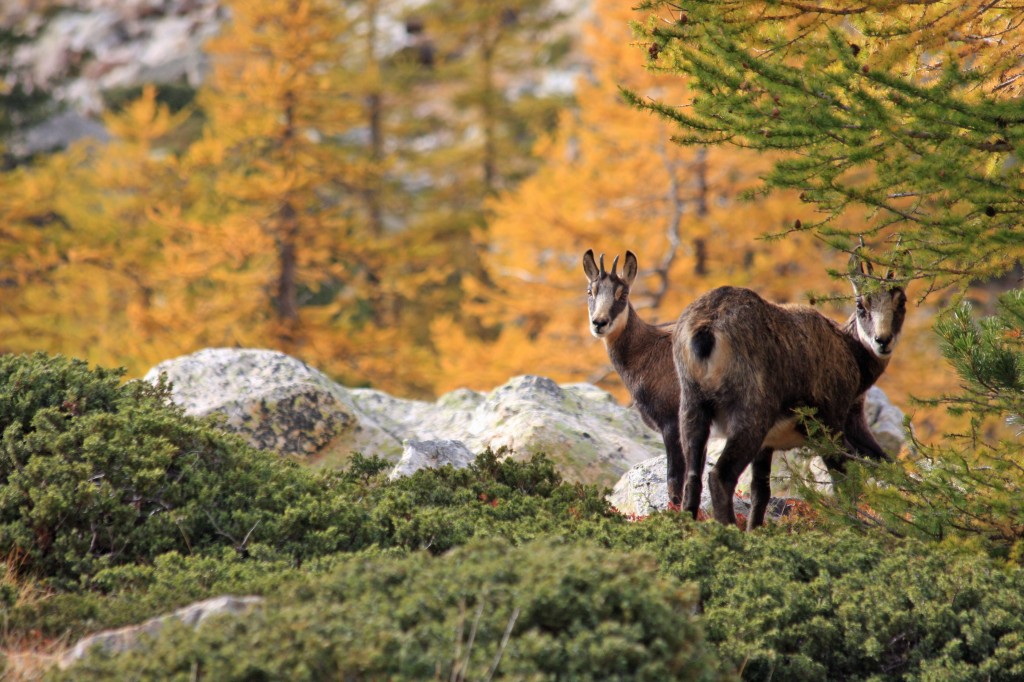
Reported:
(375, 120)
(287, 297)
(700, 245)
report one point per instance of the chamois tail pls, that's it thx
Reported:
(702, 342)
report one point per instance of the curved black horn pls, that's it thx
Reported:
(891, 274)
(601, 263)
(615, 264)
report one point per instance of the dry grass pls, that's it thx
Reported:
(24, 656)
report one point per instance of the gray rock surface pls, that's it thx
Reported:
(431, 454)
(279, 403)
(273, 400)
(126, 638)
(97, 45)
(643, 489)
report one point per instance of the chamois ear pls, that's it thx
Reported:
(590, 266)
(629, 269)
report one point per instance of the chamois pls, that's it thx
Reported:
(642, 355)
(745, 364)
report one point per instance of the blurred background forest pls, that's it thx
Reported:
(398, 192)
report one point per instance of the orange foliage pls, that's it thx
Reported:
(613, 180)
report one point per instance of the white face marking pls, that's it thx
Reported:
(607, 313)
(875, 323)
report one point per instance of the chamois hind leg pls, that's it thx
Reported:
(760, 487)
(739, 451)
(676, 463)
(694, 429)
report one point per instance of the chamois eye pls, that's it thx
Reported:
(861, 310)
(590, 293)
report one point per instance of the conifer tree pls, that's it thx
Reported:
(483, 49)
(613, 180)
(910, 114)
(81, 258)
(296, 152)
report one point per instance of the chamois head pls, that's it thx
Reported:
(880, 311)
(608, 293)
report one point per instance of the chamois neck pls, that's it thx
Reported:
(634, 338)
(871, 366)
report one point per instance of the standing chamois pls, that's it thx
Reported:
(746, 364)
(642, 355)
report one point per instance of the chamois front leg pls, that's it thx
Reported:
(676, 463)
(694, 430)
(858, 434)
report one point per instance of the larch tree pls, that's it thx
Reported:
(271, 100)
(81, 256)
(296, 154)
(909, 114)
(907, 111)
(613, 180)
(492, 55)
(489, 61)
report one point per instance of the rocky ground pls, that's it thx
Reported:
(279, 403)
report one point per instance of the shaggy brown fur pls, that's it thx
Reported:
(745, 364)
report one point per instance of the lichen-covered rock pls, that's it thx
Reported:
(644, 488)
(274, 401)
(886, 420)
(582, 428)
(431, 454)
(279, 403)
(126, 638)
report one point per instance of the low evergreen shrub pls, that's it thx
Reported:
(544, 610)
(819, 604)
(94, 474)
(117, 507)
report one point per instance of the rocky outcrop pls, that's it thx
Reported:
(127, 638)
(275, 401)
(431, 454)
(96, 45)
(279, 403)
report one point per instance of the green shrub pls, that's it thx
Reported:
(94, 474)
(813, 604)
(566, 611)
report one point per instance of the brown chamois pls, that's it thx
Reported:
(642, 355)
(745, 364)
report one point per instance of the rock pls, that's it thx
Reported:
(886, 420)
(279, 403)
(272, 400)
(431, 454)
(57, 133)
(127, 638)
(582, 428)
(643, 489)
(96, 45)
